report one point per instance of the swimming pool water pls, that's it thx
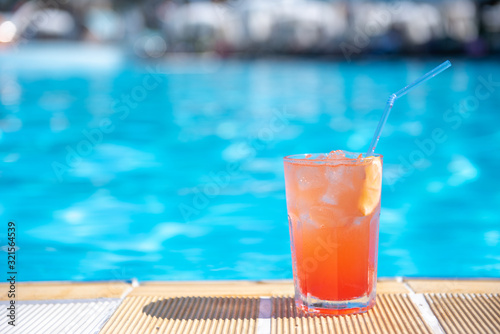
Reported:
(150, 146)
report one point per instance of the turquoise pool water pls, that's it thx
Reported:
(114, 168)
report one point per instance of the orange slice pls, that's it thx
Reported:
(372, 185)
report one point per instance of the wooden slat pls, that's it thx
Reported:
(393, 313)
(238, 288)
(65, 290)
(140, 314)
(454, 286)
(213, 288)
(233, 307)
(466, 313)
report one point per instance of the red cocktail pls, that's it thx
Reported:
(333, 203)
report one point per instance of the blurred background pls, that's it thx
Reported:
(145, 139)
(154, 28)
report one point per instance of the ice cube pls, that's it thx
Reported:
(309, 178)
(339, 180)
(329, 199)
(304, 184)
(306, 220)
(336, 155)
(322, 156)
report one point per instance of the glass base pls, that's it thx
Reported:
(316, 306)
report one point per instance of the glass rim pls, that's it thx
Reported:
(301, 158)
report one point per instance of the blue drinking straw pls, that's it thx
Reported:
(397, 95)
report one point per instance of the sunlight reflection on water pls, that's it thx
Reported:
(118, 208)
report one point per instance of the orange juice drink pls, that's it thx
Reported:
(333, 203)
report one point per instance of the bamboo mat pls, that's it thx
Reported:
(403, 306)
(412, 306)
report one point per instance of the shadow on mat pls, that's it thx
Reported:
(197, 308)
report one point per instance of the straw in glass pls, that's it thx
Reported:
(397, 95)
